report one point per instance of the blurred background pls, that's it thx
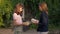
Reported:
(31, 11)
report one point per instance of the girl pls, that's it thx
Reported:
(43, 22)
(17, 19)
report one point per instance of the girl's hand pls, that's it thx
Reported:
(26, 23)
(34, 21)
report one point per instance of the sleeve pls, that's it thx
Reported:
(14, 16)
(41, 18)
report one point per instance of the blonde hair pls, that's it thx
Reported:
(18, 5)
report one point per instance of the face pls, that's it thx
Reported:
(40, 8)
(19, 9)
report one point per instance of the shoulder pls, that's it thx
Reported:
(14, 14)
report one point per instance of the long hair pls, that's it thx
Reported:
(18, 5)
(44, 6)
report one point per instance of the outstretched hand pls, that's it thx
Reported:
(26, 23)
(34, 21)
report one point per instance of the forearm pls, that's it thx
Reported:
(26, 23)
(23, 24)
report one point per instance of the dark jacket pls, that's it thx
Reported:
(43, 23)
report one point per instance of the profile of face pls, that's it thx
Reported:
(40, 8)
(19, 9)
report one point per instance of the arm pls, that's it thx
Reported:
(23, 24)
(18, 23)
(35, 21)
(26, 23)
(15, 23)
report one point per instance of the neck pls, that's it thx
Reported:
(46, 12)
(17, 13)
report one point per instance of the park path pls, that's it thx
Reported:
(9, 31)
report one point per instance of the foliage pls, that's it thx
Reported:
(7, 6)
(54, 11)
(5, 10)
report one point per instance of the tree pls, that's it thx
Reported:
(5, 11)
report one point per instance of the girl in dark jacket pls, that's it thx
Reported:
(43, 22)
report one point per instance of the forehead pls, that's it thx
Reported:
(19, 5)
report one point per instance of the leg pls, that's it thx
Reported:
(17, 32)
(42, 32)
(38, 32)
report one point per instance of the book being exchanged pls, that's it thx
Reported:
(34, 20)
